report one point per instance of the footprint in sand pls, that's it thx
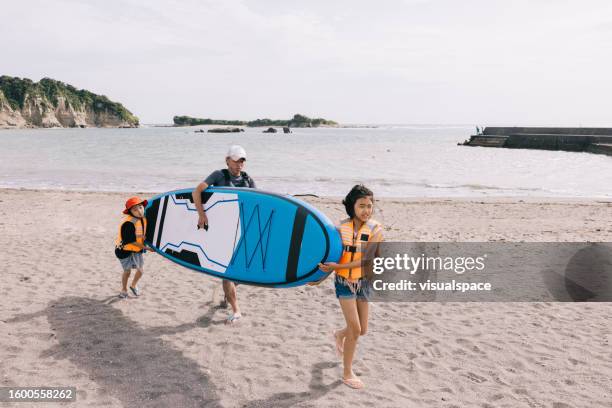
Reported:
(432, 350)
(475, 378)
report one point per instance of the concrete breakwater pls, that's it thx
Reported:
(593, 140)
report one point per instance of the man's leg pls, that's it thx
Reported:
(229, 289)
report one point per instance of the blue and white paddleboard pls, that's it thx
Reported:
(253, 237)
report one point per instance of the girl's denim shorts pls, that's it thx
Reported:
(360, 291)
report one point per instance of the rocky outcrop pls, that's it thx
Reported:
(51, 103)
(297, 121)
(225, 130)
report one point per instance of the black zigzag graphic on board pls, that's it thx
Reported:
(262, 241)
(188, 196)
(185, 256)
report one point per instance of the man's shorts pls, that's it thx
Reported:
(360, 291)
(134, 261)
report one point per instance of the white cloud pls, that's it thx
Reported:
(389, 61)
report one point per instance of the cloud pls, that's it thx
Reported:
(247, 59)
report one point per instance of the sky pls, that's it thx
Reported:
(487, 62)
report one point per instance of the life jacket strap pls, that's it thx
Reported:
(350, 248)
(248, 182)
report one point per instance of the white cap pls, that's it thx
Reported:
(236, 153)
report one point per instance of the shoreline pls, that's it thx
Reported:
(306, 197)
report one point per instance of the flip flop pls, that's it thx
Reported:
(354, 383)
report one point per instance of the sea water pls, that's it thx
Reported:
(394, 161)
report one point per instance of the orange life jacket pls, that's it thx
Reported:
(141, 228)
(354, 244)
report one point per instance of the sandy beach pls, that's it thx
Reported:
(61, 323)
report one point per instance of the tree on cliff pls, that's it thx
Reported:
(17, 91)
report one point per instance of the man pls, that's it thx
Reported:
(233, 176)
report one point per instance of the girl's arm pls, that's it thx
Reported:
(332, 266)
(319, 281)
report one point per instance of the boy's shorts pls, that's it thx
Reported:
(133, 261)
(343, 291)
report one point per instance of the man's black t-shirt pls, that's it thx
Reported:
(217, 178)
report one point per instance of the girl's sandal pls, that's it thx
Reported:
(354, 383)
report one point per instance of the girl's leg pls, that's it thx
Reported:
(363, 310)
(352, 331)
(339, 335)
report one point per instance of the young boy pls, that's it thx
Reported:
(129, 245)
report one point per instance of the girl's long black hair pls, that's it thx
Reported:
(357, 192)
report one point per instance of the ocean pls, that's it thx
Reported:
(392, 160)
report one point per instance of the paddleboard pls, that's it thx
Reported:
(253, 237)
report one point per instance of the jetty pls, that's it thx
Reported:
(592, 140)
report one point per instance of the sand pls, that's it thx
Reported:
(61, 323)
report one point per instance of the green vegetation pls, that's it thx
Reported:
(189, 121)
(297, 121)
(17, 90)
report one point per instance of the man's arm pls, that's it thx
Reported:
(197, 199)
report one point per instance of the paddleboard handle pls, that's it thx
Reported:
(205, 227)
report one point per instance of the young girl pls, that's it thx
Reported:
(360, 238)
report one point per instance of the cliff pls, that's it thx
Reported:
(50, 103)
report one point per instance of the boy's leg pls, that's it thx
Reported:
(124, 280)
(137, 277)
(138, 260)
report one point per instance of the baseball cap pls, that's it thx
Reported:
(236, 153)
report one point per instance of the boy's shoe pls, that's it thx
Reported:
(135, 291)
(123, 295)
